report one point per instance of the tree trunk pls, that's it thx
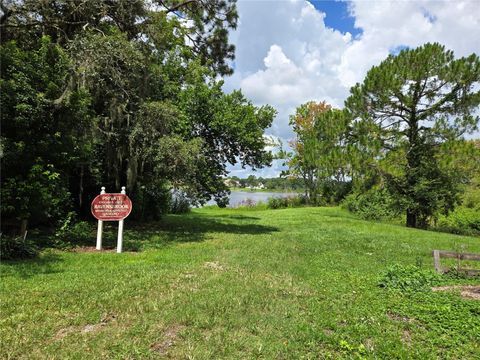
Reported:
(413, 162)
(411, 219)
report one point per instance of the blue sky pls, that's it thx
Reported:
(289, 52)
(338, 16)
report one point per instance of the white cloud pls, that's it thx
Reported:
(286, 55)
(387, 25)
(277, 82)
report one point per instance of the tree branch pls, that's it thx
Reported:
(422, 114)
(6, 12)
(178, 6)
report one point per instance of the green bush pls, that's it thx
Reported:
(408, 278)
(41, 196)
(276, 203)
(132, 245)
(471, 198)
(179, 203)
(334, 192)
(72, 232)
(375, 204)
(463, 220)
(12, 248)
(286, 202)
(251, 204)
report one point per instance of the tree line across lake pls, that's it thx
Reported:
(275, 183)
(127, 93)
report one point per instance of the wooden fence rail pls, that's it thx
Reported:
(437, 254)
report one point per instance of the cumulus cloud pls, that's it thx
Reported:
(388, 25)
(286, 55)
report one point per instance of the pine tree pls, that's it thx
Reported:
(406, 109)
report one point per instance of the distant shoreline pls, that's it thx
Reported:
(248, 190)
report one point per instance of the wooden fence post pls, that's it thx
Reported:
(436, 261)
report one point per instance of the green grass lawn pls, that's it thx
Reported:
(239, 284)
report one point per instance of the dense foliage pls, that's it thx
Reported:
(119, 93)
(465, 219)
(399, 138)
(319, 154)
(374, 204)
(409, 115)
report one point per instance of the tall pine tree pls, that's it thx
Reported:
(405, 111)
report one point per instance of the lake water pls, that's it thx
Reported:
(239, 197)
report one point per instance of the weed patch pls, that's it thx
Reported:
(408, 278)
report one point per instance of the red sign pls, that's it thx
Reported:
(111, 207)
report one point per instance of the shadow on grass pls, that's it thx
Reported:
(138, 236)
(26, 268)
(238, 217)
(192, 228)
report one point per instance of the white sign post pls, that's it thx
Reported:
(120, 229)
(100, 227)
(111, 207)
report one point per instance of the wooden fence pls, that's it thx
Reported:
(437, 254)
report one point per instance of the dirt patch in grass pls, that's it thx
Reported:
(369, 344)
(84, 329)
(214, 265)
(93, 249)
(466, 291)
(64, 332)
(169, 338)
(407, 337)
(398, 317)
(328, 332)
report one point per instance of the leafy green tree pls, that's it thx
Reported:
(319, 149)
(231, 128)
(406, 112)
(120, 92)
(157, 23)
(42, 144)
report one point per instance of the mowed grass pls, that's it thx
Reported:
(239, 284)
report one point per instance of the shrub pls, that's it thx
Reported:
(286, 202)
(179, 203)
(276, 203)
(41, 196)
(375, 204)
(463, 220)
(333, 191)
(151, 201)
(296, 201)
(132, 245)
(408, 278)
(471, 198)
(248, 203)
(72, 232)
(12, 248)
